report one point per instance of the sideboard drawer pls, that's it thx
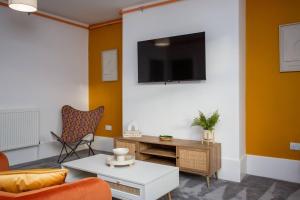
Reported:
(123, 189)
(196, 160)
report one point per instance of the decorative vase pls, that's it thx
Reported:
(209, 135)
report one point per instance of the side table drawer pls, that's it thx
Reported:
(123, 189)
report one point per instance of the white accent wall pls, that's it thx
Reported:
(170, 108)
(43, 65)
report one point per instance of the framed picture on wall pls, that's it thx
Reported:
(109, 65)
(289, 37)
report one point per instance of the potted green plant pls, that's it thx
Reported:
(208, 124)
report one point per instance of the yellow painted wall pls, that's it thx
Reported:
(272, 98)
(108, 94)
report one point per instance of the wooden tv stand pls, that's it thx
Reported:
(189, 155)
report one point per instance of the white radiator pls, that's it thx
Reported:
(18, 128)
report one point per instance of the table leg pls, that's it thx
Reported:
(216, 175)
(208, 181)
(169, 196)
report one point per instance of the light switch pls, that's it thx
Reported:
(295, 146)
(108, 127)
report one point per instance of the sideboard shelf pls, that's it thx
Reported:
(189, 155)
(159, 152)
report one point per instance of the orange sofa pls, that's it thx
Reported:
(85, 189)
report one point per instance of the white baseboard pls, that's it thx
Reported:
(53, 148)
(230, 170)
(276, 168)
(243, 166)
(22, 155)
(49, 149)
(103, 144)
(29, 154)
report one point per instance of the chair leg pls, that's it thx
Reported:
(63, 147)
(64, 159)
(74, 150)
(90, 148)
(69, 154)
(66, 150)
(61, 153)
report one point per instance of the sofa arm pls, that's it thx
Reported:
(4, 166)
(85, 189)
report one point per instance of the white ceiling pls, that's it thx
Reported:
(87, 11)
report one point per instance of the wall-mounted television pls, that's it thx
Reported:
(170, 59)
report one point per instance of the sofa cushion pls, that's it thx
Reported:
(83, 189)
(3, 162)
(16, 181)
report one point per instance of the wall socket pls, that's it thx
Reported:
(108, 127)
(295, 146)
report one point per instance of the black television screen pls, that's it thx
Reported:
(178, 58)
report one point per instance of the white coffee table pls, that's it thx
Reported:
(141, 181)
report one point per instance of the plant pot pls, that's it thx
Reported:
(208, 135)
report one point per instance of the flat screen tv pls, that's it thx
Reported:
(178, 58)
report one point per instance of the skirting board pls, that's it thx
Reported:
(23, 155)
(231, 169)
(103, 144)
(29, 154)
(276, 168)
(243, 166)
(49, 149)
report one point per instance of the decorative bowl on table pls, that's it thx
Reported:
(111, 161)
(120, 153)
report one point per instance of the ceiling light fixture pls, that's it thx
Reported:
(23, 5)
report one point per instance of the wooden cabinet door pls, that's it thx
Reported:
(125, 144)
(194, 160)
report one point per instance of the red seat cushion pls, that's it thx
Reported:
(4, 166)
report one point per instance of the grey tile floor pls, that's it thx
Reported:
(193, 187)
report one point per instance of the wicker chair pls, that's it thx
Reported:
(79, 128)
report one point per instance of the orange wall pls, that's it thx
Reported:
(272, 98)
(108, 94)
